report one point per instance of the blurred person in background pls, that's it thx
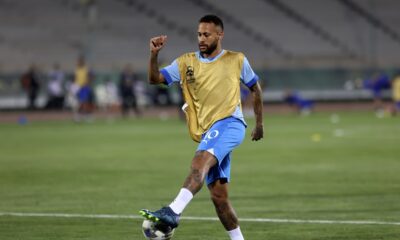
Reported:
(160, 93)
(161, 96)
(83, 78)
(376, 84)
(107, 97)
(142, 94)
(127, 86)
(298, 103)
(396, 94)
(30, 84)
(72, 96)
(55, 88)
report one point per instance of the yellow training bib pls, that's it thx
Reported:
(211, 90)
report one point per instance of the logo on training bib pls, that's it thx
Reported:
(190, 75)
(210, 135)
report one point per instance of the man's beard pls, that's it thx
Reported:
(209, 49)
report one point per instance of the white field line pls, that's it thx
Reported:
(267, 220)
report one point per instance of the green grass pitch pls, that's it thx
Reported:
(306, 168)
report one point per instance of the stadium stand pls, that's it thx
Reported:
(373, 20)
(313, 27)
(357, 33)
(283, 39)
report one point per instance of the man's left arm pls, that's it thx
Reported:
(258, 131)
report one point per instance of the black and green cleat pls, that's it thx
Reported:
(148, 215)
(164, 216)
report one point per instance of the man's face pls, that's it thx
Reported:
(208, 36)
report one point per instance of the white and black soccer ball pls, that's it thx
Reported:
(153, 232)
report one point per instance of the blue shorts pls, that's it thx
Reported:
(397, 104)
(220, 140)
(85, 94)
(305, 104)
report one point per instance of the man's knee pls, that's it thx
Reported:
(203, 160)
(220, 199)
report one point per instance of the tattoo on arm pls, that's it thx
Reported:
(257, 103)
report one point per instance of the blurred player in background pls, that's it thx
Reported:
(127, 83)
(210, 80)
(30, 83)
(377, 83)
(85, 94)
(107, 97)
(298, 103)
(396, 94)
(55, 88)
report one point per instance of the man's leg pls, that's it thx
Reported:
(201, 164)
(224, 209)
(217, 143)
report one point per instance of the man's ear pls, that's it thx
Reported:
(221, 35)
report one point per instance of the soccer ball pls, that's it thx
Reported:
(154, 231)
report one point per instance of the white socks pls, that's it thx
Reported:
(181, 201)
(235, 234)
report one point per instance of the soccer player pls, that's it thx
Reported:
(301, 105)
(377, 84)
(210, 80)
(396, 94)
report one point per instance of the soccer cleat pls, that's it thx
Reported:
(164, 216)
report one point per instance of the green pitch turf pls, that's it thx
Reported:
(306, 168)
